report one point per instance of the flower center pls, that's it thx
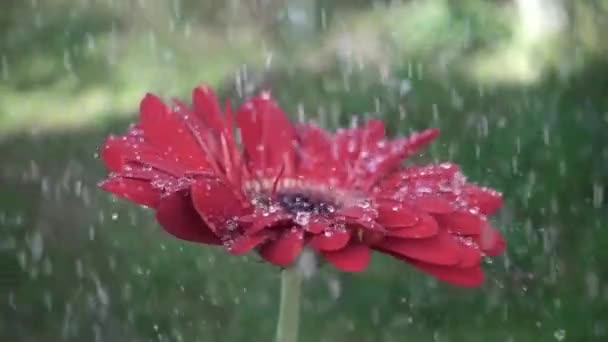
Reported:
(298, 202)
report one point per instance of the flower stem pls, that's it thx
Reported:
(289, 309)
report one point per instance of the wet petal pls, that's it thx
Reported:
(433, 204)
(352, 258)
(491, 241)
(267, 135)
(389, 157)
(177, 215)
(316, 226)
(138, 191)
(470, 254)
(393, 216)
(487, 200)
(330, 240)
(245, 243)
(373, 133)
(285, 249)
(464, 222)
(207, 107)
(347, 144)
(371, 238)
(355, 212)
(217, 204)
(118, 151)
(260, 222)
(315, 159)
(425, 228)
(440, 249)
(165, 130)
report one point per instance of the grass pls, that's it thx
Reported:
(84, 266)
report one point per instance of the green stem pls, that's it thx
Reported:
(289, 310)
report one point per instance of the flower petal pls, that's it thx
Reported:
(316, 160)
(330, 240)
(373, 133)
(207, 107)
(425, 228)
(491, 241)
(267, 135)
(118, 151)
(440, 249)
(261, 222)
(316, 226)
(370, 238)
(177, 215)
(470, 252)
(138, 191)
(285, 249)
(166, 131)
(433, 204)
(396, 216)
(464, 222)
(245, 243)
(217, 204)
(352, 258)
(390, 155)
(487, 200)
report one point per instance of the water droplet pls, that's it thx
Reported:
(302, 218)
(37, 246)
(559, 334)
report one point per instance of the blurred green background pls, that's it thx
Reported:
(518, 87)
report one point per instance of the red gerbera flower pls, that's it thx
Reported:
(284, 187)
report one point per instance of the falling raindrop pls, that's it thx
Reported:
(559, 334)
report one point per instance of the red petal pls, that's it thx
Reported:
(177, 215)
(260, 222)
(371, 238)
(467, 277)
(470, 254)
(316, 226)
(352, 258)
(373, 133)
(491, 241)
(425, 228)
(433, 204)
(207, 108)
(464, 222)
(166, 131)
(330, 240)
(347, 144)
(354, 211)
(394, 216)
(487, 200)
(389, 156)
(245, 243)
(118, 151)
(138, 191)
(285, 249)
(267, 135)
(440, 249)
(216, 203)
(418, 140)
(315, 142)
(138, 171)
(112, 153)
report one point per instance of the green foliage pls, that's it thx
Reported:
(77, 265)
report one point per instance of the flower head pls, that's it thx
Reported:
(283, 187)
